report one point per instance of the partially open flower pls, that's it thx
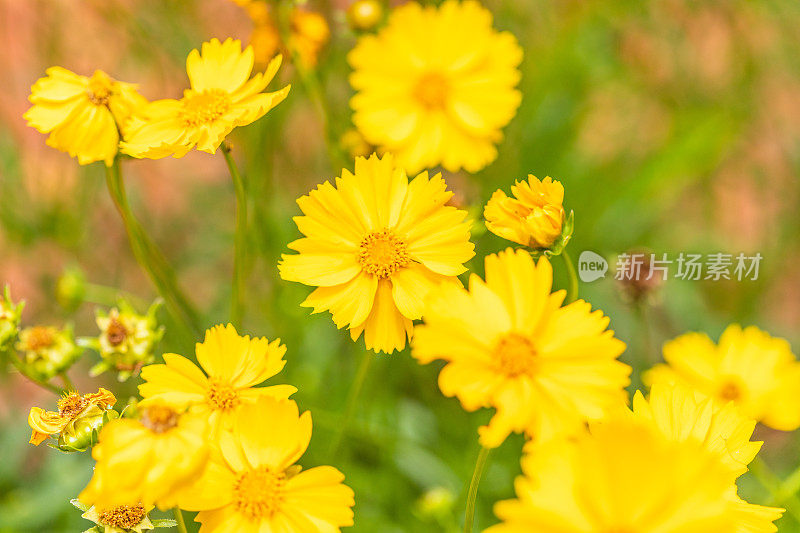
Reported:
(47, 350)
(126, 341)
(76, 422)
(10, 314)
(120, 519)
(534, 217)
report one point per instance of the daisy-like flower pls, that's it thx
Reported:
(82, 115)
(374, 246)
(233, 366)
(509, 344)
(120, 519)
(436, 85)
(147, 459)
(534, 217)
(749, 367)
(222, 97)
(623, 476)
(76, 420)
(253, 485)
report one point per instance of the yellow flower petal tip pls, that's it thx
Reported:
(447, 96)
(374, 245)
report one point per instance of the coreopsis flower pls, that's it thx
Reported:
(120, 519)
(77, 421)
(509, 344)
(233, 366)
(10, 316)
(222, 97)
(254, 485)
(47, 351)
(363, 15)
(622, 476)
(374, 245)
(749, 367)
(127, 339)
(309, 35)
(83, 115)
(436, 85)
(147, 459)
(534, 217)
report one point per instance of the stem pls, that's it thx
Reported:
(472, 495)
(150, 257)
(240, 238)
(18, 364)
(179, 519)
(770, 481)
(352, 399)
(572, 289)
(68, 382)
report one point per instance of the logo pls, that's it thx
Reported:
(591, 266)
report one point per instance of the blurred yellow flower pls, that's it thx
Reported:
(121, 519)
(533, 217)
(147, 459)
(364, 15)
(234, 364)
(622, 476)
(436, 85)
(77, 416)
(509, 344)
(253, 484)
(374, 246)
(308, 36)
(222, 97)
(757, 372)
(82, 115)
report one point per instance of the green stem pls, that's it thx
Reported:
(240, 238)
(472, 495)
(150, 257)
(770, 481)
(68, 382)
(352, 401)
(179, 519)
(20, 366)
(572, 288)
(789, 488)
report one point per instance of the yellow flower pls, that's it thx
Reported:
(375, 244)
(757, 372)
(681, 415)
(222, 97)
(234, 365)
(509, 344)
(623, 476)
(436, 85)
(147, 459)
(82, 115)
(75, 421)
(254, 485)
(309, 35)
(120, 519)
(533, 218)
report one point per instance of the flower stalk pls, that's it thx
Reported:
(572, 288)
(352, 401)
(472, 495)
(240, 238)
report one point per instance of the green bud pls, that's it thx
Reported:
(10, 315)
(435, 505)
(47, 351)
(81, 433)
(71, 288)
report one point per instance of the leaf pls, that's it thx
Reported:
(79, 504)
(163, 522)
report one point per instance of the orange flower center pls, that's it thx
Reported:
(258, 493)
(432, 90)
(221, 396)
(70, 405)
(100, 88)
(204, 108)
(515, 355)
(39, 337)
(124, 516)
(158, 418)
(731, 390)
(382, 253)
(116, 332)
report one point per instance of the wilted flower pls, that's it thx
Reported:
(364, 15)
(127, 339)
(10, 315)
(82, 115)
(47, 351)
(78, 419)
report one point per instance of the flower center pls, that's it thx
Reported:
(205, 107)
(515, 355)
(158, 418)
(124, 516)
(730, 391)
(100, 88)
(258, 493)
(221, 396)
(382, 253)
(39, 337)
(116, 332)
(70, 405)
(432, 90)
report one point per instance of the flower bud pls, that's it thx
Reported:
(10, 314)
(76, 423)
(436, 504)
(47, 351)
(364, 15)
(309, 35)
(71, 289)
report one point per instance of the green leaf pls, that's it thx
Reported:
(164, 522)
(80, 505)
